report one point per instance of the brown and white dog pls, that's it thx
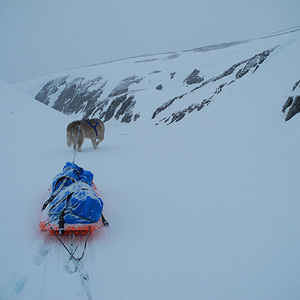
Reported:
(92, 129)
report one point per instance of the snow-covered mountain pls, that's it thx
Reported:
(167, 87)
(206, 208)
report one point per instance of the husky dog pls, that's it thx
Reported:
(92, 129)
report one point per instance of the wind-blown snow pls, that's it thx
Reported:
(206, 208)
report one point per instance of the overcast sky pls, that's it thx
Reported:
(40, 37)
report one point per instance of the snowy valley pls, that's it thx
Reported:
(198, 172)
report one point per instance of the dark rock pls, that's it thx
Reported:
(123, 86)
(295, 108)
(77, 96)
(216, 47)
(136, 116)
(163, 107)
(173, 56)
(253, 63)
(172, 75)
(50, 88)
(126, 106)
(296, 85)
(155, 72)
(194, 78)
(293, 103)
(112, 108)
(127, 118)
(119, 106)
(72, 96)
(220, 88)
(176, 117)
(287, 104)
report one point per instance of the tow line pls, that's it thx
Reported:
(76, 260)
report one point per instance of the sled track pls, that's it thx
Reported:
(52, 270)
(42, 272)
(70, 281)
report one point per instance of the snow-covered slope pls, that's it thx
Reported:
(207, 208)
(165, 88)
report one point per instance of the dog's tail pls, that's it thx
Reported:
(69, 136)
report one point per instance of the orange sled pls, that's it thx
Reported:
(47, 225)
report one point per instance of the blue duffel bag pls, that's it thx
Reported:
(73, 199)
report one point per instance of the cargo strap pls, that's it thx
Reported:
(62, 182)
(63, 179)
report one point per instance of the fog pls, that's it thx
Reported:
(44, 37)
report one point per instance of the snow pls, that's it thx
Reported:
(206, 208)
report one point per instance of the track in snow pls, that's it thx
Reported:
(43, 273)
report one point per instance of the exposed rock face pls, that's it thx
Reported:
(120, 106)
(123, 86)
(232, 74)
(50, 88)
(292, 103)
(77, 95)
(194, 78)
(80, 95)
(120, 100)
(253, 63)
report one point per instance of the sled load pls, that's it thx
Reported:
(73, 205)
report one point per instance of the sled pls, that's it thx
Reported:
(72, 206)
(77, 229)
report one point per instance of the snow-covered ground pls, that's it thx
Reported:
(206, 208)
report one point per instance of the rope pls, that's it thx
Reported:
(78, 264)
(76, 146)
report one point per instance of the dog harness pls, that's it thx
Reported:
(94, 127)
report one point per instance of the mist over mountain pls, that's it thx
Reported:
(165, 88)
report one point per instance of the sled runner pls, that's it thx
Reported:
(73, 205)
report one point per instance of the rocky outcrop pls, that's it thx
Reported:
(81, 95)
(99, 97)
(175, 117)
(193, 78)
(119, 106)
(50, 88)
(292, 104)
(172, 74)
(229, 76)
(123, 86)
